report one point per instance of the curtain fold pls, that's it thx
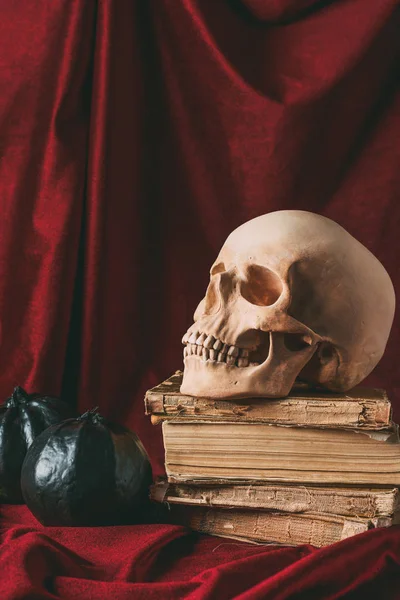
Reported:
(44, 53)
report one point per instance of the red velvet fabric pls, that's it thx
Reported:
(168, 562)
(134, 136)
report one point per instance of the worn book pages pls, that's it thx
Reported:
(353, 502)
(365, 408)
(253, 451)
(269, 527)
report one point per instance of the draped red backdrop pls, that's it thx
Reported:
(134, 136)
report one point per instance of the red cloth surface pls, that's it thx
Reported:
(134, 136)
(169, 563)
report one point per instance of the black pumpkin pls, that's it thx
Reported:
(87, 471)
(22, 418)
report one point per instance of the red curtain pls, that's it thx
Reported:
(135, 135)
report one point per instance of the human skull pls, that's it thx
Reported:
(291, 294)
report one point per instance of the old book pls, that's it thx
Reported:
(352, 502)
(269, 527)
(365, 408)
(254, 451)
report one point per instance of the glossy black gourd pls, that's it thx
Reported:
(87, 471)
(22, 418)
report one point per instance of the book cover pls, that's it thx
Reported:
(269, 527)
(365, 408)
(352, 502)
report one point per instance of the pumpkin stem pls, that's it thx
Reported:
(92, 416)
(19, 396)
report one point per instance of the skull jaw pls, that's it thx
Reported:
(210, 379)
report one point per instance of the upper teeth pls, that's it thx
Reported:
(207, 347)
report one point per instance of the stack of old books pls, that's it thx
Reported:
(314, 468)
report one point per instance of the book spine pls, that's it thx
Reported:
(264, 527)
(365, 414)
(295, 499)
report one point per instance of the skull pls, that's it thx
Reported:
(291, 295)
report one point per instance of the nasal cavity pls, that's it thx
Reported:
(221, 285)
(212, 299)
(261, 286)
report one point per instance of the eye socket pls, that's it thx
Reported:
(261, 287)
(217, 268)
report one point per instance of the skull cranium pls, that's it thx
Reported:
(291, 294)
